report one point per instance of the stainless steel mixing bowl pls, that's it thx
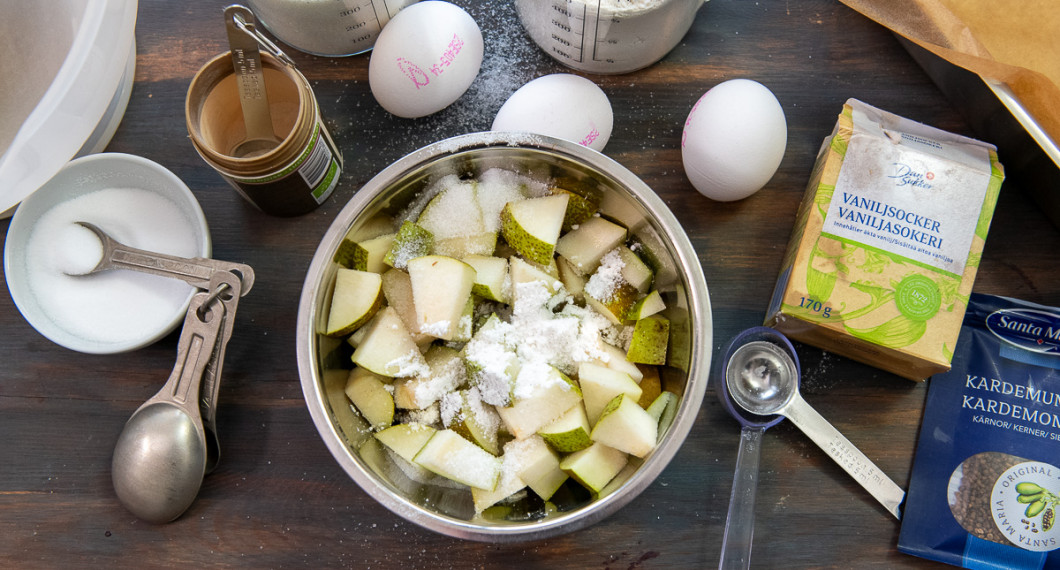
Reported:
(324, 363)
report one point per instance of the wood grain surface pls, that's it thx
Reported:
(280, 500)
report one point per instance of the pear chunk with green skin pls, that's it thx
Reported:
(651, 336)
(650, 385)
(663, 410)
(455, 219)
(406, 440)
(587, 244)
(412, 241)
(649, 305)
(569, 432)
(457, 459)
(520, 272)
(626, 426)
(616, 360)
(476, 421)
(388, 349)
(491, 277)
(397, 288)
(536, 465)
(492, 363)
(532, 226)
(595, 466)
(369, 395)
(366, 255)
(542, 394)
(357, 296)
(600, 385)
(508, 484)
(634, 270)
(441, 287)
(573, 281)
(579, 208)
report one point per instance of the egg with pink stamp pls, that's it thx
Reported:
(560, 105)
(425, 58)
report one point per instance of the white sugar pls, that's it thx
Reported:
(605, 281)
(78, 250)
(111, 306)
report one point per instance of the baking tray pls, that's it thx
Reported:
(1030, 157)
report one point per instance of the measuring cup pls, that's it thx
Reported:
(327, 27)
(607, 36)
(739, 523)
(769, 384)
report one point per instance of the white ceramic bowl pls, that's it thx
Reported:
(80, 177)
(323, 363)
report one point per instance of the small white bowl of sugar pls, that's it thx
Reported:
(137, 202)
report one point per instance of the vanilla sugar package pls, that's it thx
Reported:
(985, 486)
(887, 242)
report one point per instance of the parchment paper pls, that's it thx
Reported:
(1016, 42)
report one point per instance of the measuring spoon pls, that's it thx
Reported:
(250, 80)
(769, 384)
(197, 271)
(739, 523)
(161, 455)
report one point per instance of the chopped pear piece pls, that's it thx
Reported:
(600, 385)
(445, 373)
(357, 296)
(491, 277)
(455, 458)
(573, 281)
(579, 208)
(587, 244)
(626, 426)
(369, 395)
(663, 410)
(542, 394)
(520, 272)
(594, 466)
(468, 416)
(536, 465)
(634, 270)
(532, 226)
(569, 432)
(492, 364)
(441, 287)
(397, 288)
(412, 241)
(388, 348)
(455, 219)
(406, 440)
(366, 255)
(651, 336)
(650, 385)
(616, 360)
(649, 305)
(508, 484)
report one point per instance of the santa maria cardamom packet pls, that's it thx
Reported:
(887, 242)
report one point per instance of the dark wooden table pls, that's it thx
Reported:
(280, 500)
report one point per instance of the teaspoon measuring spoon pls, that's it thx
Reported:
(250, 79)
(769, 384)
(739, 522)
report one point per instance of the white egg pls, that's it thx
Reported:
(425, 59)
(562, 105)
(734, 140)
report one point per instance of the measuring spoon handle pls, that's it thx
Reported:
(740, 522)
(850, 458)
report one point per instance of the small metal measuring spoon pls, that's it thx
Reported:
(196, 271)
(739, 522)
(243, 41)
(160, 457)
(769, 384)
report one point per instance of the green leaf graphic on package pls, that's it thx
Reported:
(1039, 501)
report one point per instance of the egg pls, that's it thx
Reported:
(425, 59)
(734, 140)
(561, 105)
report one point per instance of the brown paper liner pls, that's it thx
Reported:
(1014, 42)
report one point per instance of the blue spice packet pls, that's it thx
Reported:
(985, 486)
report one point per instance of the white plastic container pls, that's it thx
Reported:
(76, 60)
(607, 36)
